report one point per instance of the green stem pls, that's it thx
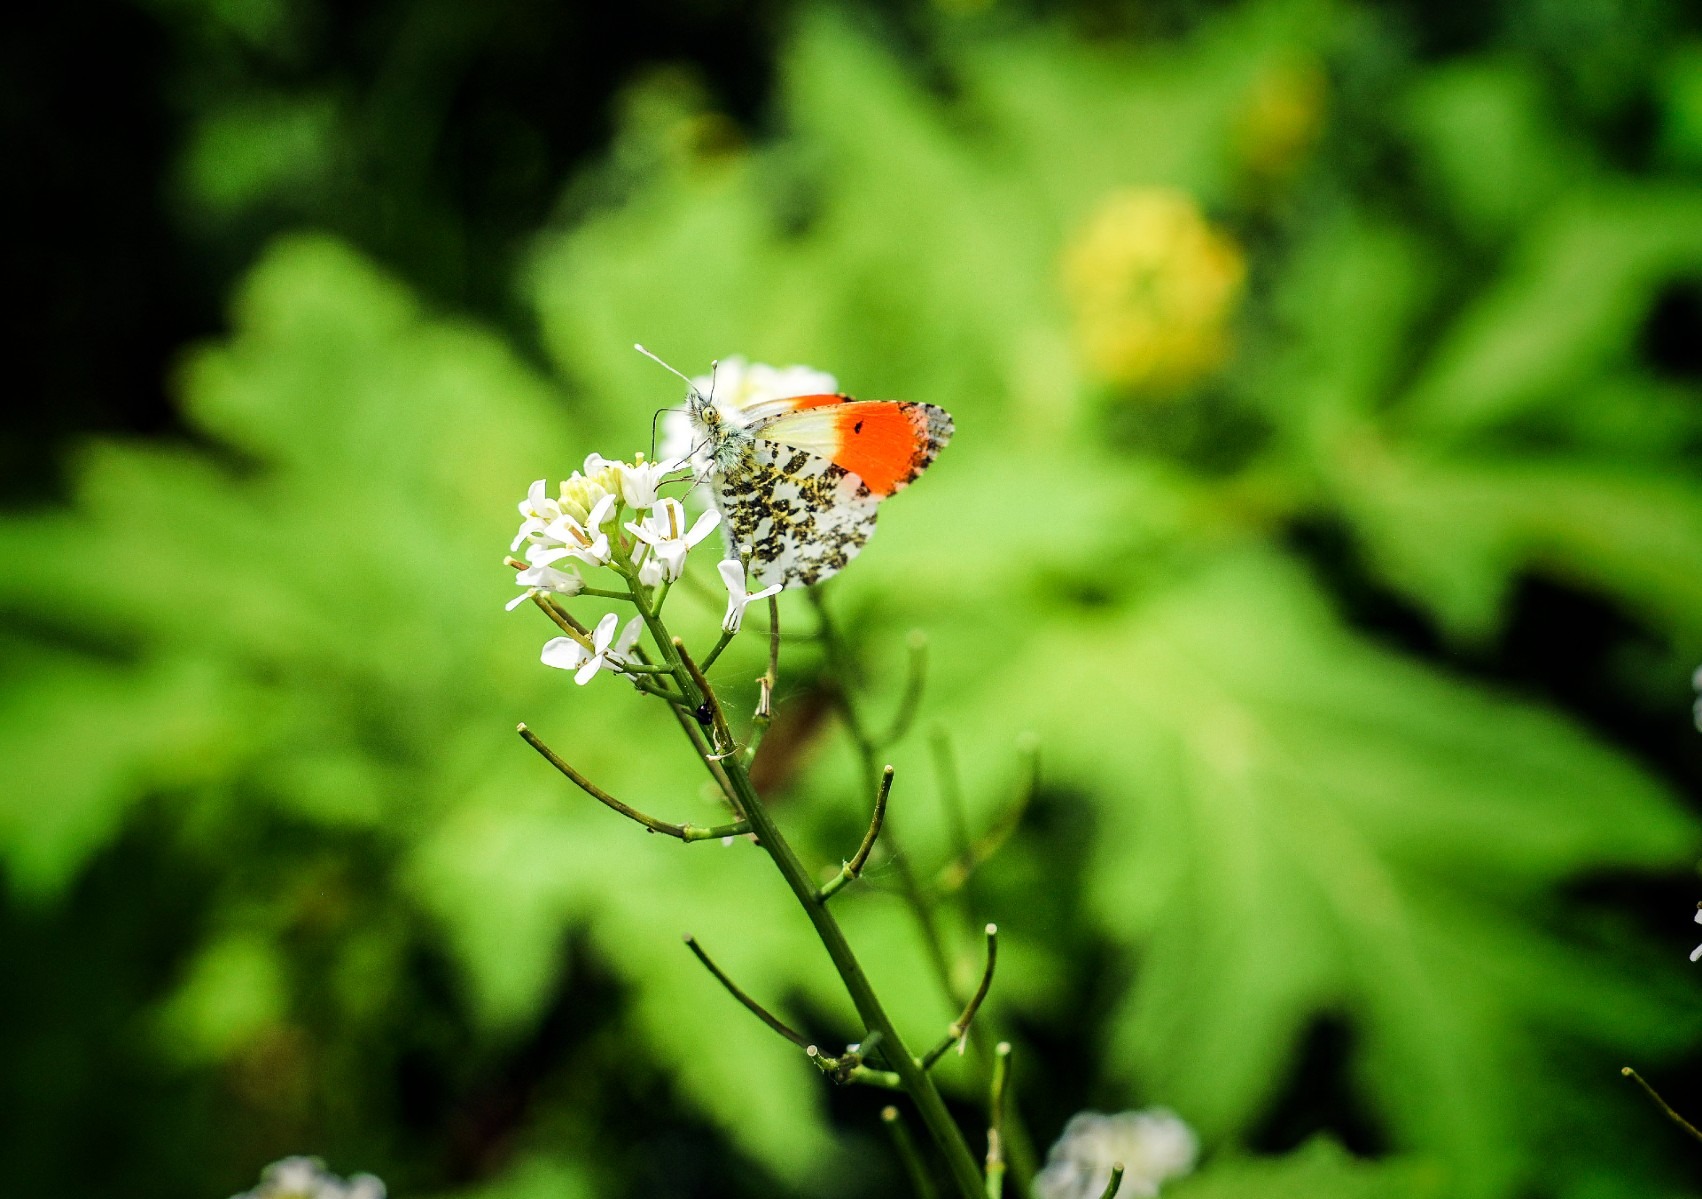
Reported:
(854, 867)
(959, 1028)
(917, 1082)
(1018, 1149)
(683, 832)
(996, 1120)
(920, 1182)
(1116, 1182)
(1661, 1103)
(750, 1005)
(726, 640)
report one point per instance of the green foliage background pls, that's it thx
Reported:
(288, 882)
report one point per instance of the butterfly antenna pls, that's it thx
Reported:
(665, 366)
(656, 416)
(714, 369)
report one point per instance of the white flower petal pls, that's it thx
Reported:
(600, 514)
(706, 524)
(564, 653)
(733, 575)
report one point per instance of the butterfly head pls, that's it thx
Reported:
(711, 429)
(723, 437)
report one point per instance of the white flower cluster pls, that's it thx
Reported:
(1153, 1145)
(582, 524)
(307, 1178)
(739, 387)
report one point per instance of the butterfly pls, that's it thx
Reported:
(800, 479)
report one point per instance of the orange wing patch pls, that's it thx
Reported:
(885, 443)
(882, 443)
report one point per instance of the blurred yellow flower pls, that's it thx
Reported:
(1153, 285)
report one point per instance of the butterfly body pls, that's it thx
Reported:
(800, 479)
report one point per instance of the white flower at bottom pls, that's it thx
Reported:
(733, 574)
(665, 532)
(307, 1178)
(1153, 1145)
(607, 652)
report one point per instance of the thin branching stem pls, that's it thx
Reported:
(640, 683)
(684, 832)
(916, 1081)
(718, 719)
(564, 620)
(854, 867)
(951, 791)
(1115, 1183)
(1019, 1151)
(1661, 1103)
(959, 1028)
(766, 684)
(756, 1009)
(700, 696)
(886, 1080)
(723, 643)
(920, 1180)
(915, 680)
(954, 874)
(996, 1120)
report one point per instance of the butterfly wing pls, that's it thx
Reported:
(805, 497)
(802, 516)
(885, 443)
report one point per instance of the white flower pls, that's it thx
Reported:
(649, 565)
(736, 387)
(665, 532)
(739, 385)
(607, 652)
(307, 1178)
(640, 479)
(537, 511)
(579, 494)
(544, 578)
(1153, 1145)
(566, 537)
(1697, 952)
(733, 574)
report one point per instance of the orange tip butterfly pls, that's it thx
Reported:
(799, 479)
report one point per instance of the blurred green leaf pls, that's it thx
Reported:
(1303, 825)
(1318, 1170)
